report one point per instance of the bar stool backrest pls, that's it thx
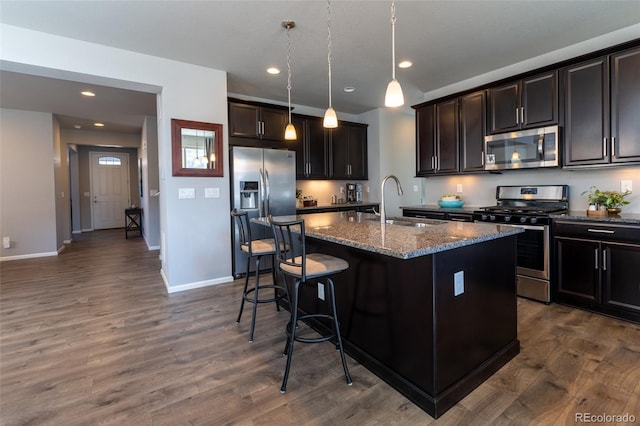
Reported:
(241, 220)
(290, 246)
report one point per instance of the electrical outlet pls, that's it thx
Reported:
(415, 188)
(458, 283)
(341, 190)
(320, 291)
(459, 188)
(6, 242)
(626, 185)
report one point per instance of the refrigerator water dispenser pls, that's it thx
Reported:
(248, 195)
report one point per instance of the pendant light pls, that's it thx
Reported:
(394, 96)
(290, 131)
(330, 117)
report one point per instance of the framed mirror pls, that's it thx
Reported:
(196, 148)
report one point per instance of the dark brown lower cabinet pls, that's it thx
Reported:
(598, 268)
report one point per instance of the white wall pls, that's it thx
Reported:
(195, 242)
(27, 187)
(148, 153)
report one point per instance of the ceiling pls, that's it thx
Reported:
(447, 41)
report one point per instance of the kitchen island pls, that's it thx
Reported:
(429, 306)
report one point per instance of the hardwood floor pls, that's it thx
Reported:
(92, 337)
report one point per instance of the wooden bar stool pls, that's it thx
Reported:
(306, 269)
(256, 249)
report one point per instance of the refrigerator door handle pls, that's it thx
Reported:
(267, 192)
(261, 200)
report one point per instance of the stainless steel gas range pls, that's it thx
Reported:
(528, 207)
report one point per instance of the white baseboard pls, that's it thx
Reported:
(29, 256)
(87, 230)
(76, 232)
(61, 248)
(198, 284)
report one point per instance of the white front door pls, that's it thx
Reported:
(109, 188)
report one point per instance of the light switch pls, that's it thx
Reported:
(458, 283)
(212, 193)
(184, 193)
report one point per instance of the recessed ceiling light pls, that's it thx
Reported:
(405, 64)
(77, 126)
(273, 70)
(98, 124)
(349, 89)
(88, 93)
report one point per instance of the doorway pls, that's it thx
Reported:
(110, 195)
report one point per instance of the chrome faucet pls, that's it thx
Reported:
(383, 216)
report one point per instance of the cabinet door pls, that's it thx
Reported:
(472, 131)
(447, 137)
(578, 269)
(621, 269)
(504, 109)
(357, 152)
(244, 120)
(274, 121)
(316, 146)
(586, 113)
(625, 106)
(299, 146)
(425, 140)
(539, 101)
(339, 139)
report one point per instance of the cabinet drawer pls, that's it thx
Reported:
(598, 231)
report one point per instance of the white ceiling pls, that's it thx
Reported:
(447, 41)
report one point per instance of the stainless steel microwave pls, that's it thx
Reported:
(523, 149)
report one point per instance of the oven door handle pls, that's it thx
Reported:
(528, 227)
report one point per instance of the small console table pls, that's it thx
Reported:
(133, 221)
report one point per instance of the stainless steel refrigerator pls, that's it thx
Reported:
(263, 182)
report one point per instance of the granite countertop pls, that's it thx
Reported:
(581, 216)
(338, 206)
(437, 208)
(364, 231)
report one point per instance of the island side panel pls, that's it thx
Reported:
(477, 323)
(385, 306)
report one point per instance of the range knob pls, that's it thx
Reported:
(507, 218)
(523, 219)
(492, 217)
(534, 220)
(484, 217)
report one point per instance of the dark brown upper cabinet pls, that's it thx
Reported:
(348, 151)
(602, 100)
(523, 104)
(248, 120)
(312, 150)
(472, 131)
(438, 133)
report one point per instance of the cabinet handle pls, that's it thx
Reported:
(604, 146)
(437, 163)
(613, 146)
(604, 260)
(522, 115)
(482, 158)
(517, 116)
(596, 251)
(433, 167)
(601, 231)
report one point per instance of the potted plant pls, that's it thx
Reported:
(612, 201)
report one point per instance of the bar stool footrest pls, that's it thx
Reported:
(320, 339)
(248, 298)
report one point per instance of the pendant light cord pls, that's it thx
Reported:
(289, 70)
(329, 45)
(393, 39)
